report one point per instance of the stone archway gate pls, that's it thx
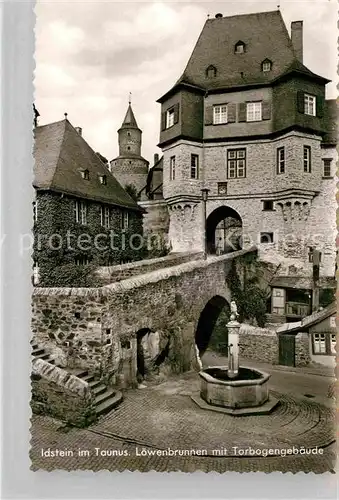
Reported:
(95, 328)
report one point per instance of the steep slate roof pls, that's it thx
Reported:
(265, 36)
(129, 120)
(61, 153)
(306, 323)
(331, 122)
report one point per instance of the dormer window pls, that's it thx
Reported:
(239, 47)
(85, 174)
(266, 66)
(211, 71)
(103, 179)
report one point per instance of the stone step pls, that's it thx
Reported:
(109, 404)
(104, 396)
(43, 356)
(99, 389)
(37, 351)
(88, 378)
(81, 373)
(94, 383)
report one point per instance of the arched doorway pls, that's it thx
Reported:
(223, 231)
(208, 319)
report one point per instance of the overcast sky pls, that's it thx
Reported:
(91, 54)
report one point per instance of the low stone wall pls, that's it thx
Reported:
(60, 394)
(114, 274)
(259, 344)
(302, 349)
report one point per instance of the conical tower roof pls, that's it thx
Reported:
(129, 120)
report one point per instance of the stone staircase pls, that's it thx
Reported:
(40, 353)
(106, 399)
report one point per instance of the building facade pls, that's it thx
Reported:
(82, 215)
(249, 121)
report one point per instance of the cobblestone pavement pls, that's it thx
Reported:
(154, 422)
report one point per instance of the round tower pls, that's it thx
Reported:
(130, 168)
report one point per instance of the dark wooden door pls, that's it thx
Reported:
(287, 350)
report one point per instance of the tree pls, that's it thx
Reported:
(131, 190)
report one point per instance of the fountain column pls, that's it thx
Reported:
(233, 327)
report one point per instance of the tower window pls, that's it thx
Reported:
(220, 114)
(170, 118)
(239, 47)
(128, 147)
(211, 71)
(236, 163)
(194, 166)
(253, 111)
(309, 105)
(266, 66)
(268, 205)
(307, 159)
(281, 160)
(172, 168)
(327, 167)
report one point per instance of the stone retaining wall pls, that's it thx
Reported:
(60, 394)
(259, 344)
(114, 274)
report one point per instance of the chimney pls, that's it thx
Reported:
(79, 130)
(297, 39)
(156, 158)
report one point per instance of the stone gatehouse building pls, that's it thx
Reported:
(248, 121)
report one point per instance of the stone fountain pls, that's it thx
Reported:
(232, 389)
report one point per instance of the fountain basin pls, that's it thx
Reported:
(249, 389)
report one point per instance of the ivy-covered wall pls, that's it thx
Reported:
(60, 241)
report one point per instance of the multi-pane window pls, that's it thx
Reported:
(236, 163)
(309, 104)
(327, 167)
(281, 160)
(220, 114)
(105, 216)
(172, 168)
(324, 343)
(170, 118)
(80, 212)
(194, 166)
(307, 159)
(35, 210)
(319, 343)
(82, 260)
(253, 111)
(266, 66)
(124, 220)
